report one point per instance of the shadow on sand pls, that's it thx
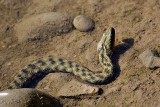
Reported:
(119, 50)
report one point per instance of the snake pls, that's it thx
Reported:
(48, 65)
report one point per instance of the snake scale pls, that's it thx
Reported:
(105, 48)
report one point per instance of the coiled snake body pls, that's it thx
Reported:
(104, 48)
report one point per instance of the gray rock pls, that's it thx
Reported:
(27, 98)
(43, 25)
(149, 60)
(83, 23)
(75, 88)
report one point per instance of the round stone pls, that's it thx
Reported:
(26, 97)
(83, 23)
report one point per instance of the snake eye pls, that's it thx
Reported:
(99, 49)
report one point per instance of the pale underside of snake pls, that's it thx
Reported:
(49, 65)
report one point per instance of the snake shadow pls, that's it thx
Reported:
(119, 50)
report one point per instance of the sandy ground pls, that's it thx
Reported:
(137, 24)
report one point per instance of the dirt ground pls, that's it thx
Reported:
(137, 25)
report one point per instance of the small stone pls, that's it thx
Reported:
(111, 90)
(149, 60)
(83, 23)
(27, 98)
(75, 88)
(9, 63)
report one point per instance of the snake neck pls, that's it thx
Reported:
(105, 62)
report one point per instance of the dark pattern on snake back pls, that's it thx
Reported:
(49, 65)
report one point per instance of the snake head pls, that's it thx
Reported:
(107, 41)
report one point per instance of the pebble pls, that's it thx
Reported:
(75, 88)
(83, 23)
(27, 97)
(43, 25)
(112, 90)
(149, 60)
